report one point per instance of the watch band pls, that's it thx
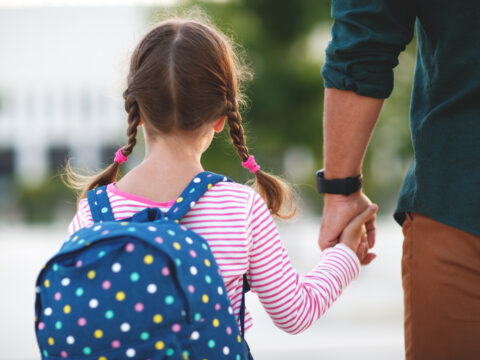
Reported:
(344, 186)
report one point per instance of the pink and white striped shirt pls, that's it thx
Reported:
(243, 237)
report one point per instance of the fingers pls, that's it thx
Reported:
(371, 232)
(366, 216)
(368, 258)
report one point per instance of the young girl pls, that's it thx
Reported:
(183, 86)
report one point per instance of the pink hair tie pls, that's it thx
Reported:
(119, 157)
(250, 164)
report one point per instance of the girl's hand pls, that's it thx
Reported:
(355, 233)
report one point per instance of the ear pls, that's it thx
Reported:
(219, 124)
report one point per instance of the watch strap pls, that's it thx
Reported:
(344, 186)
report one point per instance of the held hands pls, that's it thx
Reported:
(342, 212)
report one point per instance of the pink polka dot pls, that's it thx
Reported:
(176, 328)
(41, 326)
(159, 239)
(63, 354)
(130, 247)
(106, 285)
(115, 344)
(82, 321)
(105, 232)
(191, 289)
(165, 271)
(217, 307)
(79, 263)
(57, 296)
(176, 209)
(193, 254)
(229, 330)
(99, 191)
(139, 307)
(184, 228)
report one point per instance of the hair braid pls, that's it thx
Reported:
(131, 107)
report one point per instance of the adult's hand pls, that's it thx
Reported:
(338, 211)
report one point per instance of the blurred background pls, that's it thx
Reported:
(62, 72)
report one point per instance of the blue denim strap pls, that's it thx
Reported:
(100, 204)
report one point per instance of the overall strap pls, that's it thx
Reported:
(100, 204)
(194, 191)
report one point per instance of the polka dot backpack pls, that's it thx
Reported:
(142, 288)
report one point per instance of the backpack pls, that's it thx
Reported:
(141, 288)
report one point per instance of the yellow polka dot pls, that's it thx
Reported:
(205, 298)
(75, 238)
(123, 223)
(185, 356)
(148, 259)
(239, 339)
(102, 358)
(177, 246)
(159, 345)
(44, 266)
(207, 263)
(51, 341)
(157, 318)
(47, 283)
(91, 274)
(67, 309)
(177, 221)
(120, 296)
(98, 334)
(216, 323)
(209, 186)
(36, 319)
(180, 199)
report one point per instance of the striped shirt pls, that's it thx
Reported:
(243, 237)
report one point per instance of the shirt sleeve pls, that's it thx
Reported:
(82, 218)
(367, 37)
(292, 301)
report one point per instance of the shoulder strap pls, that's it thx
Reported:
(194, 191)
(100, 204)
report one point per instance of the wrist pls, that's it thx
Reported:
(338, 186)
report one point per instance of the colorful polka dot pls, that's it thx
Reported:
(87, 350)
(191, 289)
(148, 259)
(152, 288)
(177, 246)
(120, 296)
(55, 267)
(207, 263)
(70, 340)
(226, 350)
(109, 314)
(48, 311)
(79, 291)
(93, 303)
(239, 339)
(98, 334)
(171, 232)
(216, 322)
(211, 343)
(116, 267)
(125, 327)
(51, 342)
(41, 325)
(82, 321)
(159, 239)
(159, 345)
(205, 298)
(197, 317)
(195, 335)
(193, 270)
(116, 344)
(91, 274)
(65, 281)
(180, 199)
(157, 318)
(58, 325)
(57, 296)
(189, 240)
(63, 354)
(102, 253)
(229, 330)
(169, 300)
(170, 352)
(129, 247)
(208, 279)
(138, 307)
(135, 276)
(130, 352)
(106, 285)
(144, 336)
(165, 271)
(152, 228)
(104, 210)
(79, 264)
(102, 358)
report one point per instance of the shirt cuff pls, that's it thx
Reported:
(346, 261)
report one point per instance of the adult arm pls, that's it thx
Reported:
(367, 37)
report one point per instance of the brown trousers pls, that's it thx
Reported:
(441, 283)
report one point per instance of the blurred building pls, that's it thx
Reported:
(62, 74)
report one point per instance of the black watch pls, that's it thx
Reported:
(345, 186)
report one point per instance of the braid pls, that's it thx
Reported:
(236, 129)
(131, 107)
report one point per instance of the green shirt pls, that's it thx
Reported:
(367, 37)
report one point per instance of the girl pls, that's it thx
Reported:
(183, 86)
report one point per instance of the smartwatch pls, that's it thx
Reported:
(344, 186)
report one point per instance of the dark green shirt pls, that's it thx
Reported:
(367, 37)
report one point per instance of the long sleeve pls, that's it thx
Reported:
(292, 301)
(367, 37)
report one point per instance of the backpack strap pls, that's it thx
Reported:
(194, 191)
(100, 204)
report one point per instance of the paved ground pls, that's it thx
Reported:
(366, 322)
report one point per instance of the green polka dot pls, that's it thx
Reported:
(208, 279)
(55, 267)
(104, 210)
(170, 352)
(131, 229)
(169, 300)
(109, 314)
(134, 276)
(58, 325)
(79, 291)
(178, 262)
(81, 241)
(171, 232)
(211, 343)
(87, 350)
(45, 353)
(238, 357)
(102, 253)
(144, 336)
(186, 354)
(197, 316)
(204, 246)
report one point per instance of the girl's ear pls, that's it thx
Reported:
(219, 124)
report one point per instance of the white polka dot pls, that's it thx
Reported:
(65, 281)
(96, 228)
(70, 340)
(195, 335)
(48, 311)
(152, 288)
(116, 267)
(125, 327)
(193, 270)
(189, 240)
(230, 310)
(93, 303)
(226, 350)
(183, 313)
(152, 228)
(220, 290)
(37, 289)
(192, 204)
(196, 180)
(130, 352)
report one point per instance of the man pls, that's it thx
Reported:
(439, 204)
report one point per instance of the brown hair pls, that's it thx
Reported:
(184, 74)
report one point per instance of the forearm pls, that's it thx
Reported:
(349, 120)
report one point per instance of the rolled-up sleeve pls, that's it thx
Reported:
(367, 37)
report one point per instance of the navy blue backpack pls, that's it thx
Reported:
(142, 288)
